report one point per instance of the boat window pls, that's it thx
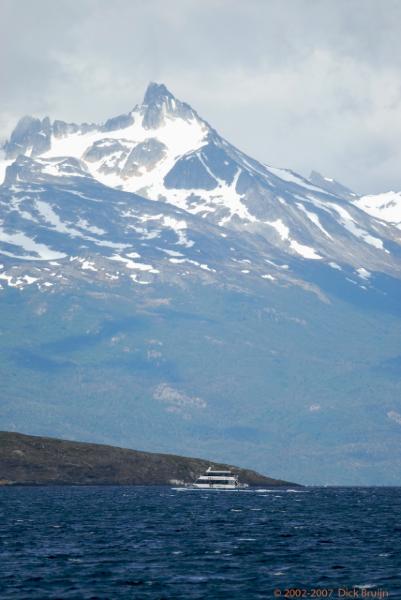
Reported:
(216, 481)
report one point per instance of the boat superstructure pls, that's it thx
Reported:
(218, 480)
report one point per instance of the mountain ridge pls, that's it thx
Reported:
(174, 156)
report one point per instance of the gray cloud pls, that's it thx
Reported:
(302, 84)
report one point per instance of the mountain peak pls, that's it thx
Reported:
(156, 93)
(332, 186)
(160, 102)
(29, 132)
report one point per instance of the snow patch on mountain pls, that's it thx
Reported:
(131, 264)
(349, 223)
(31, 249)
(177, 401)
(386, 206)
(301, 249)
(280, 227)
(314, 219)
(305, 251)
(291, 177)
(179, 227)
(3, 168)
(17, 282)
(363, 273)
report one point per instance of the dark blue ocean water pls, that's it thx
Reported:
(135, 542)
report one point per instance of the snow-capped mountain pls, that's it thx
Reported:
(173, 292)
(163, 151)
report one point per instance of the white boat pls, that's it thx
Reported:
(214, 479)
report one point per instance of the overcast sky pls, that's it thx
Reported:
(303, 84)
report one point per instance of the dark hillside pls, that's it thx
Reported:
(32, 460)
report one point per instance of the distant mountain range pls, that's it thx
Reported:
(175, 294)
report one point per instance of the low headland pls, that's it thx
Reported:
(36, 460)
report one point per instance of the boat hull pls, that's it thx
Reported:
(191, 488)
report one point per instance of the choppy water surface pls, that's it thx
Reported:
(135, 542)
